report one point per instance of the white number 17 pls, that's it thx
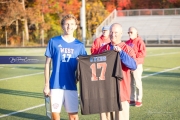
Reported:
(64, 57)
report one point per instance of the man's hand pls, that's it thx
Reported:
(46, 91)
(117, 48)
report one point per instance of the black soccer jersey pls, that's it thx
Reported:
(99, 86)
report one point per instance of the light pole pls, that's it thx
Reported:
(83, 21)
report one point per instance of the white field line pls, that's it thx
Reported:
(21, 76)
(44, 104)
(147, 69)
(162, 54)
(14, 67)
(160, 72)
(22, 110)
(42, 72)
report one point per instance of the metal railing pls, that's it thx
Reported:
(158, 39)
(141, 12)
(149, 12)
(107, 21)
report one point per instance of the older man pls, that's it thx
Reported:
(127, 56)
(136, 83)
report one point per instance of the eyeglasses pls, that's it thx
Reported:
(130, 32)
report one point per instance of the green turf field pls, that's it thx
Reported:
(21, 87)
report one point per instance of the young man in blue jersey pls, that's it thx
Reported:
(61, 86)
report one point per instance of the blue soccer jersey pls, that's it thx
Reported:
(64, 62)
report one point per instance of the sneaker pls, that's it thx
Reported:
(132, 103)
(138, 104)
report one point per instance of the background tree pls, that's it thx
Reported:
(54, 10)
(95, 15)
(18, 12)
(11, 13)
(110, 5)
(40, 19)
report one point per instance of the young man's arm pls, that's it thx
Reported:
(47, 76)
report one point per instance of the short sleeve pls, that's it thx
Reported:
(118, 68)
(49, 49)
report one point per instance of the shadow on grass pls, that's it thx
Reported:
(22, 115)
(21, 93)
(24, 66)
(31, 67)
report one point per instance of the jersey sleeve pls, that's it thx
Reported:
(49, 49)
(118, 68)
(127, 60)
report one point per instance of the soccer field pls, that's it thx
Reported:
(21, 87)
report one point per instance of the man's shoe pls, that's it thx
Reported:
(132, 103)
(138, 104)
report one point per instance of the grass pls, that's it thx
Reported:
(161, 98)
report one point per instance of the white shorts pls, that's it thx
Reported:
(68, 98)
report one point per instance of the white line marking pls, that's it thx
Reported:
(6, 115)
(162, 54)
(22, 110)
(147, 69)
(21, 76)
(42, 72)
(160, 72)
(15, 67)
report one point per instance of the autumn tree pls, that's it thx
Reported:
(52, 12)
(15, 11)
(110, 5)
(175, 3)
(40, 19)
(11, 13)
(153, 4)
(95, 15)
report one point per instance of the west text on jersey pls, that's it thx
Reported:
(67, 50)
(98, 59)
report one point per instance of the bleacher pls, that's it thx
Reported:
(155, 26)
